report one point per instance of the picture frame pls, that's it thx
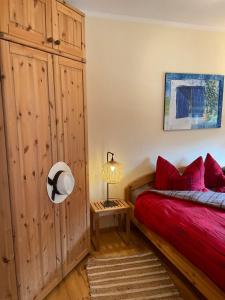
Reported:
(192, 101)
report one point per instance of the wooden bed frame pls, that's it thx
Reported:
(198, 279)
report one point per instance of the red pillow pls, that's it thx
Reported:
(214, 177)
(169, 178)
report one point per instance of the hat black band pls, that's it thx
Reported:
(53, 182)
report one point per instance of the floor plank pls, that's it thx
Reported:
(75, 285)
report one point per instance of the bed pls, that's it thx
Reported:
(192, 267)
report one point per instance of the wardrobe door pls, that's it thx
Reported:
(69, 89)
(8, 289)
(28, 96)
(30, 20)
(68, 30)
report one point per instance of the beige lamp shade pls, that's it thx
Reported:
(112, 172)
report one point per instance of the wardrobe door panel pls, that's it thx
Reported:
(68, 30)
(29, 113)
(69, 84)
(30, 20)
(8, 289)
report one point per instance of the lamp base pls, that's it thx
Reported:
(109, 203)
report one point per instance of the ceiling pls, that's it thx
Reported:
(209, 13)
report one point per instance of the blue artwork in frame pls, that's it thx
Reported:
(193, 101)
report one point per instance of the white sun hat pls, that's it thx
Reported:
(60, 182)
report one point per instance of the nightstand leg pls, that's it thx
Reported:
(128, 227)
(93, 236)
(97, 232)
(120, 223)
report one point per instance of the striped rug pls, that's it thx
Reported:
(135, 277)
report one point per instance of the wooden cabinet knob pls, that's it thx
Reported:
(50, 40)
(57, 42)
(29, 28)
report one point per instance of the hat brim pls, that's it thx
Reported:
(59, 166)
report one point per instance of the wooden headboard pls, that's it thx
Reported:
(148, 178)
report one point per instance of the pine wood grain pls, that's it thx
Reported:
(98, 210)
(29, 20)
(8, 288)
(34, 131)
(27, 84)
(46, 24)
(69, 82)
(68, 30)
(75, 285)
(84, 89)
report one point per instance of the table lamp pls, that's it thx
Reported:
(112, 173)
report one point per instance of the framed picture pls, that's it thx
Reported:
(193, 101)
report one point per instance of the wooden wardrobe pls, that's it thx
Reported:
(42, 121)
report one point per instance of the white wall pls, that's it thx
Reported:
(126, 63)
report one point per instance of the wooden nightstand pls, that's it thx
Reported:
(98, 210)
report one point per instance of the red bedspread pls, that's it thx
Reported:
(196, 231)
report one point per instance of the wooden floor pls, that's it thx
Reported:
(75, 285)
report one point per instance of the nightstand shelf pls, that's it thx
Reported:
(98, 210)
